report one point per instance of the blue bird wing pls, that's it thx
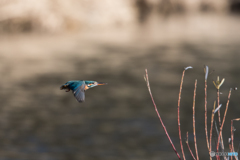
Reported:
(79, 93)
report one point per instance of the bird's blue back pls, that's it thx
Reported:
(73, 85)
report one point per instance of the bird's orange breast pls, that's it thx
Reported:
(86, 87)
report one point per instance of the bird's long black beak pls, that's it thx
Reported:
(101, 83)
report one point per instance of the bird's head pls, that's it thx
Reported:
(91, 84)
(65, 87)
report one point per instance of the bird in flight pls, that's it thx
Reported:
(79, 87)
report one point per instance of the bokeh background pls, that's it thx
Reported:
(44, 44)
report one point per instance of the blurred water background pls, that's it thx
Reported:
(46, 43)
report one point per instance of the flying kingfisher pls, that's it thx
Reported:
(79, 87)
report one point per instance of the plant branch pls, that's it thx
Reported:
(211, 128)
(149, 89)
(220, 132)
(194, 128)
(189, 146)
(206, 129)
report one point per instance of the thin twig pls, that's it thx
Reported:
(220, 132)
(229, 143)
(218, 100)
(232, 134)
(206, 130)
(219, 120)
(218, 84)
(194, 128)
(149, 89)
(210, 139)
(215, 122)
(179, 99)
(189, 146)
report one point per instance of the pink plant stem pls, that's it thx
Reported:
(220, 132)
(194, 128)
(230, 150)
(179, 128)
(232, 137)
(189, 147)
(206, 131)
(219, 119)
(149, 89)
(218, 100)
(210, 139)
